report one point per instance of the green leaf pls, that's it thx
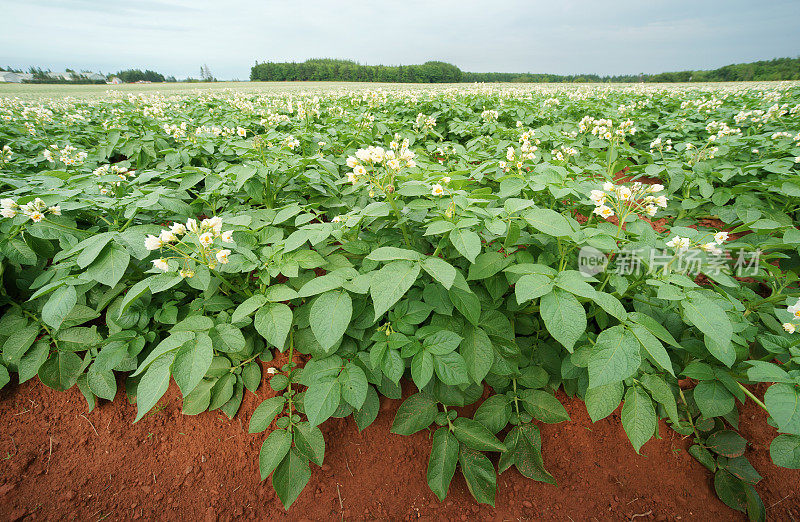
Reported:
(265, 413)
(475, 435)
(440, 270)
(708, 317)
(564, 317)
(479, 475)
(310, 442)
(153, 384)
(476, 348)
(192, 361)
(442, 342)
(654, 327)
(273, 321)
(783, 405)
(354, 385)
(467, 242)
(102, 383)
(5, 378)
(416, 413)
(713, 399)
(422, 369)
(532, 286)
(730, 490)
(168, 344)
(451, 368)
(134, 293)
(58, 307)
(92, 248)
(785, 451)
(393, 253)
(19, 252)
(61, 370)
(442, 462)
(487, 264)
(653, 347)
(367, 414)
(543, 406)
(548, 222)
(575, 283)
(330, 316)
(638, 417)
(601, 401)
(614, 357)
(110, 265)
(494, 413)
(199, 399)
(528, 454)
(250, 305)
(290, 478)
(19, 342)
(662, 393)
(273, 451)
(321, 400)
(390, 283)
(611, 305)
(704, 457)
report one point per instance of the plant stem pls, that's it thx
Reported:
(752, 396)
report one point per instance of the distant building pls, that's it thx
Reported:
(94, 76)
(114, 81)
(61, 75)
(10, 77)
(25, 77)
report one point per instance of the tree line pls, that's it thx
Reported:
(440, 72)
(350, 71)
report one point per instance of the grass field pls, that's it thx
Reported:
(32, 91)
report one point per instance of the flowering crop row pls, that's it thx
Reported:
(434, 235)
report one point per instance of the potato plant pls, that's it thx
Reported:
(633, 246)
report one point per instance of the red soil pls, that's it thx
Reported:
(60, 462)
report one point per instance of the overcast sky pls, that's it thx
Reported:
(555, 36)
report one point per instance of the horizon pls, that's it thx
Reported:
(581, 37)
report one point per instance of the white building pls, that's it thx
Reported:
(10, 77)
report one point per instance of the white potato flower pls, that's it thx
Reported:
(8, 213)
(36, 216)
(712, 248)
(167, 236)
(679, 243)
(178, 229)
(720, 237)
(789, 327)
(227, 236)
(608, 186)
(603, 211)
(152, 242)
(206, 238)
(598, 197)
(794, 309)
(161, 264)
(222, 256)
(437, 190)
(191, 225)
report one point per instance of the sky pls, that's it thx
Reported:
(175, 37)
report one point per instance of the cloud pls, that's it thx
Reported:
(570, 36)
